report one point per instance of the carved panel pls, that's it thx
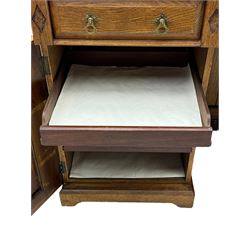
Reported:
(39, 19)
(214, 21)
(210, 33)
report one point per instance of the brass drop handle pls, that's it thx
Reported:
(162, 26)
(90, 24)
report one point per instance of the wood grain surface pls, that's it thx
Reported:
(128, 43)
(126, 136)
(41, 25)
(210, 32)
(180, 194)
(45, 174)
(127, 20)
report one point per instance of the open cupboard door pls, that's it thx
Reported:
(45, 174)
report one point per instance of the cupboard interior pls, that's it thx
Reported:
(131, 166)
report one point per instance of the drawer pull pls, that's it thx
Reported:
(161, 22)
(90, 24)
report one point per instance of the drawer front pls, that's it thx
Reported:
(150, 20)
(119, 137)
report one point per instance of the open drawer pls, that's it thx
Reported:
(103, 108)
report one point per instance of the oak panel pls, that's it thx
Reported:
(210, 32)
(126, 20)
(180, 194)
(41, 26)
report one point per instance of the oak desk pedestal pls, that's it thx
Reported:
(129, 90)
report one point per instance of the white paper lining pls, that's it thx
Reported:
(126, 165)
(113, 96)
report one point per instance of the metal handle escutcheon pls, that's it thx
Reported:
(90, 24)
(162, 26)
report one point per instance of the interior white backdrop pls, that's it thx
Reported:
(220, 217)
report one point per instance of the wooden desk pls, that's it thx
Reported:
(160, 34)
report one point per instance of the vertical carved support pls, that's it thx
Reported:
(210, 33)
(41, 27)
(42, 33)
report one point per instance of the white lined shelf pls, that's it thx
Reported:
(126, 165)
(117, 96)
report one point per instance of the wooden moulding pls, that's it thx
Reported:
(125, 149)
(181, 195)
(129, 43)
(124, 183)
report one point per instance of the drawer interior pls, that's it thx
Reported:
(127, 96)
(125, 165)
